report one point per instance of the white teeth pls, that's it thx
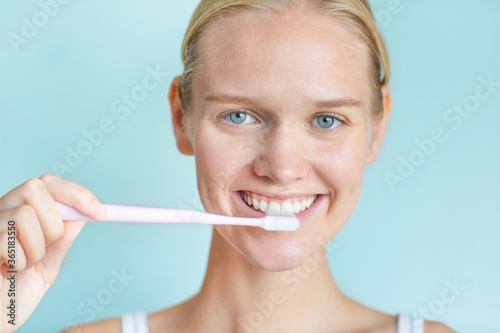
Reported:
(286, 208)
(263, 206)
(255, 203)
(274, 208)
(308, 202)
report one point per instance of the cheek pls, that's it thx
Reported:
(342, 168)
(341, 164)
(219, 158)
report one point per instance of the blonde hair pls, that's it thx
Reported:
(356, 14)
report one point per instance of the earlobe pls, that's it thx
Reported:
(179, 120)
(380, 126)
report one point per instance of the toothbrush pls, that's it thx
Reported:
(119, 213)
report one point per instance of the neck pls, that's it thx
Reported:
(237, 296)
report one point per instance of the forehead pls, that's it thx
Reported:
(291, 54)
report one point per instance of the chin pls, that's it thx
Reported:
(276, 255)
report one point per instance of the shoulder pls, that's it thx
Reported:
(429, 327)
(166, 320)
(108, 325)
(437, 327)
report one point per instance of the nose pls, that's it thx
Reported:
(281, 157)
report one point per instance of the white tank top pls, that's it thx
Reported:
(138, 323)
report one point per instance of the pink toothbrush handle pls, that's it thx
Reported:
(119, 213)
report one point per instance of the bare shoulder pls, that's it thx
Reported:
(437, 327)
(166, 320)
(108, 325)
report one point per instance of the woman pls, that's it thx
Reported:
(282, 103)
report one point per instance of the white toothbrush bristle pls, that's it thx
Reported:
(281, 222)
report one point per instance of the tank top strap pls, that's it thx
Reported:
(410, 324)
(135, 323)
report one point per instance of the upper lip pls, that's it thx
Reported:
(280, 196)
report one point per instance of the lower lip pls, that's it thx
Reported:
(302, 217)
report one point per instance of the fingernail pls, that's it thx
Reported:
(100, 208)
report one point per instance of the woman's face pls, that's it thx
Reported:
(280, 115)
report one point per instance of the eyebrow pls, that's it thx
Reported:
(225, 98)
(337, 103)
(319, 104)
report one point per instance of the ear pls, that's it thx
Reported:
(179, 120)
(379, 126)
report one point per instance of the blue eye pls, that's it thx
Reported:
(239, 117)
(326, 122)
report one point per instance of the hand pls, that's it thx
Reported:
(34, 241)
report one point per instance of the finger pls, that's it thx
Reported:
(35, 194)
(12, 255)
(74, 195)
(60, 189)
(23, 222)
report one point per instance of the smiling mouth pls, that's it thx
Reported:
(275, 206)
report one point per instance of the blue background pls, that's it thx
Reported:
(401, 245)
